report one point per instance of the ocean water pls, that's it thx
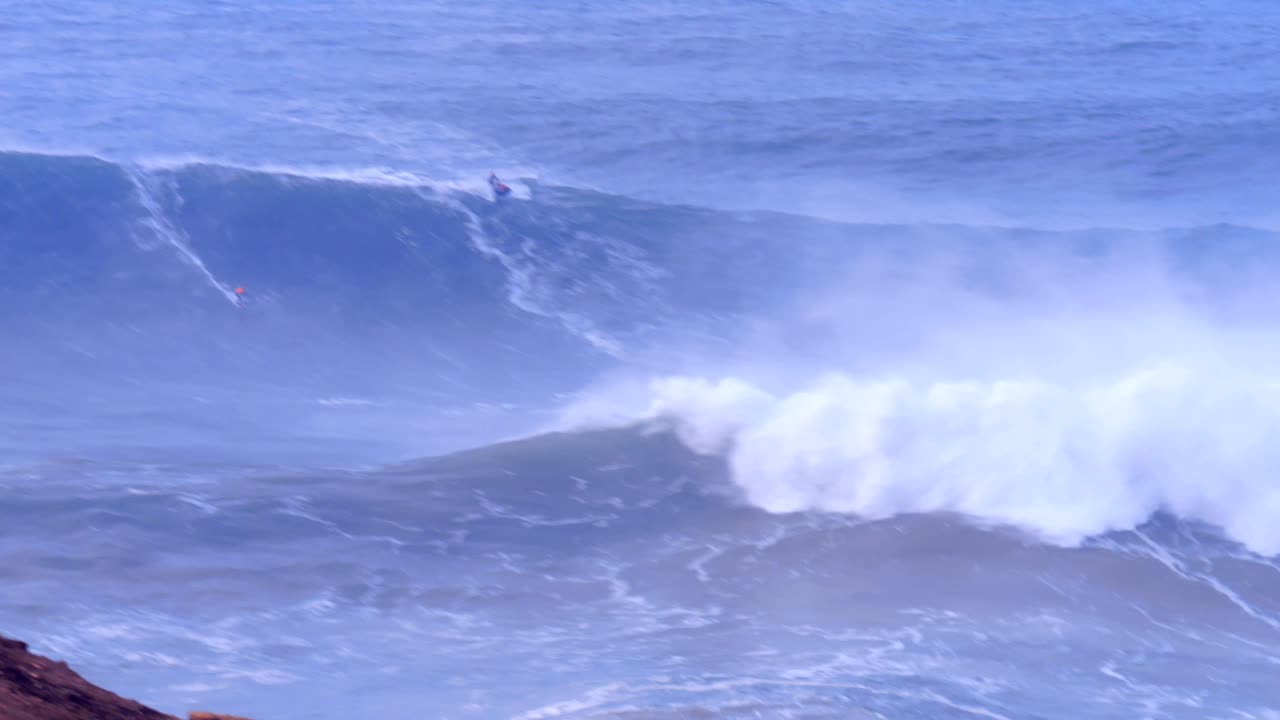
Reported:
(828, 360)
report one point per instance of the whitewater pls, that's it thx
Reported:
(828, 360)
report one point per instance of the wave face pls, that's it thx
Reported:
(378, 292)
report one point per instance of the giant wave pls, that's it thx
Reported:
(1069, 383)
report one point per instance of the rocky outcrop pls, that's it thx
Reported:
(37, 688)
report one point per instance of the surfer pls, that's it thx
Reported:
(499, 188)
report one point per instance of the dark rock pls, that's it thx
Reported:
(37, 688)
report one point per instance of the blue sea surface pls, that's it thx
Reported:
(827, 360)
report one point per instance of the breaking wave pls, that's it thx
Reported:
(1068, 382)
(1068, 462)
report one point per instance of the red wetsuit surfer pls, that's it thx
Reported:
(499, 189)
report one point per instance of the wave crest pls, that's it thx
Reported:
(1067, 461)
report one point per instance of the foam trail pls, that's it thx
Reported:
(1151, 548)
(522, 284)
(163, 229)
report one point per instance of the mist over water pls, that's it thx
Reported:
(1070, 385)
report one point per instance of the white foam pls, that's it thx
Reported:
(1066, 459)
(524, 289)
(591, 700)
(261, 677)
(195, 687)
(162, 229)
(470, 180)
(1065, 392)
(361, 175)
(340, 401)
(151, 658)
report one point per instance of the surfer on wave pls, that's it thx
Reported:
(499, 189)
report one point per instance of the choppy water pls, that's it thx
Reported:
(951, 327)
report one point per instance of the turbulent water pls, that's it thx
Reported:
(828, 360)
